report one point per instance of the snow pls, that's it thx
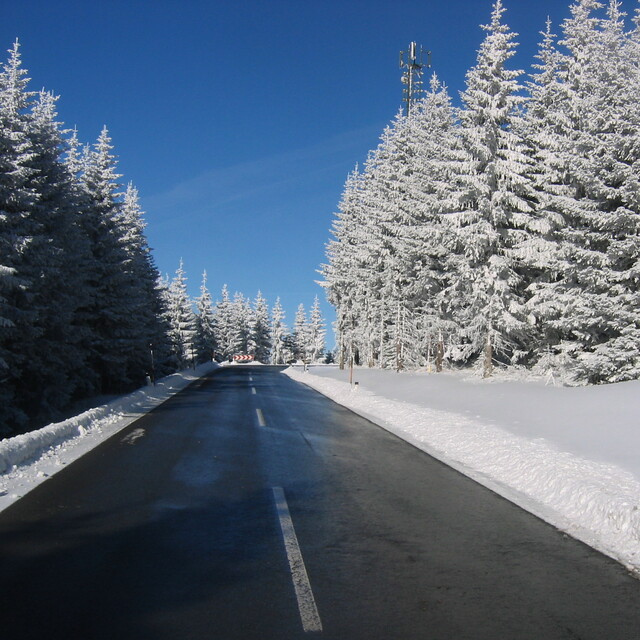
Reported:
(567, 455)
(29, 459)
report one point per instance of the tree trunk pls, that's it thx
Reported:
(439, 354)
(488, 357)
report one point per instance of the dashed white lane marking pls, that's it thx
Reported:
(133, 436)
(306, 602)
(253, 390)
(261, 421)
(250, 378)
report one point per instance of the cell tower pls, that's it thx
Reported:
(412, 61)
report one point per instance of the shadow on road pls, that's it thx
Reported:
(133, 573)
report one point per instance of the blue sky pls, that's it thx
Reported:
(239, 121)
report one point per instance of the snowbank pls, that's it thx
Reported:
(568, 455)
(28, 459)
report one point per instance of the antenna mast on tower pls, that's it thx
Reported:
(412, 61)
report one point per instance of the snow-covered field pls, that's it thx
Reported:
(569, 455)
(29, 459)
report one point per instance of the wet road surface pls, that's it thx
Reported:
(249, 506)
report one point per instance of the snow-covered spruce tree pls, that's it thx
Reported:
(289, 348)
(233, 323)
(301, 337)
(385, 197)
(161, 358)
(496, 205)
(279, 332)
(544, 125)
(392, 199)
(17, 197)
(45, 253)
(317, 332)
(401, 197)
(144, 301)
(610, 92)
(118, 340)
(206, 344)
(430, 144)
(385, 268)
(55, 262)
(366, 276)
(260, 330)
(224, 327)
(164, 352)
(586, 307)
(422, 237)
(349, 262)
(242, 320)
(182, 320)
(76, 157)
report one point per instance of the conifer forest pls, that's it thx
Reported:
(83, 309)
(504, 231)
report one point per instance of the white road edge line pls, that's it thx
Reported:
(306, 602)
(261, 420)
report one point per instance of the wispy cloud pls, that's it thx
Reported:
(283, 176)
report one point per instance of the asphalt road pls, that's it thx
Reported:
(250, 507)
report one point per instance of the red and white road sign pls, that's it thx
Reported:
(243, 358)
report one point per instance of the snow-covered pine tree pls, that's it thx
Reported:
(349, 262)
(353, 275)
(497, 201)
(224, 327)
(55, 262)
(114, 295)
(540, 249)
(164, 350)
(586, 306)
(161, 359)
(289, 348)
(579, 291)
(431, 144)
(206, 345)
(317, 332)
(611, 91)
(365, 278)
(45, 251)
(302, 335)
(386, 198)
(540, 256)
(261, 330)
(279, 332)
(549, 126)
(241, 321)
(75, 156)
(385, 264)
(145, 300)
(182, 319)
(78, 303)
(17, 197)
(408, 169)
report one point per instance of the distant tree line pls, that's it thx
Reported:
(83, 310)
(506, 230)
(202, 330)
